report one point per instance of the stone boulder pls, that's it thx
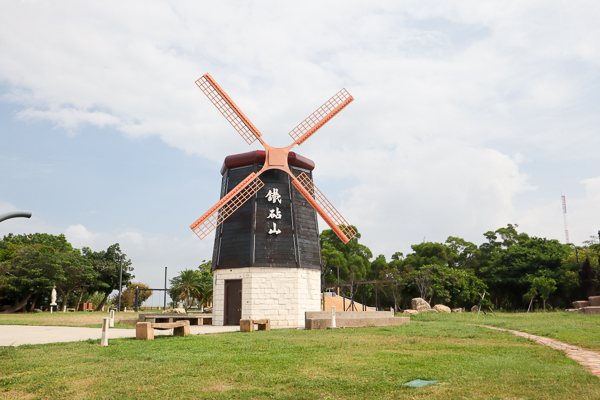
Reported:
(581, 304)
(419, 304)
(175, 311)
(458, 310)
(475, 309)
(442, 308)
(410, 312)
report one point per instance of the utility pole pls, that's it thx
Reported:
(564, 205)
(120, 282)
(165, 305)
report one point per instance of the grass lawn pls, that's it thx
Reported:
(469, 362)
(87, 319)
(573, 328)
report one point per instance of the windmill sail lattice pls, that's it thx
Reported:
(321, 116)
(276, 159)
(325, 209)
(227, 205)
(227, 107)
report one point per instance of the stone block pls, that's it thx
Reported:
(594, 301)
(182, 330)
(144, 331)
(581, 304)
(591, 310)
(246, 325)
(410, 312)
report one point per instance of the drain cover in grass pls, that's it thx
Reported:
(419, 383)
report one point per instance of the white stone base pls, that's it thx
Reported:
(281, 294)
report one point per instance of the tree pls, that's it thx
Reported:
(107, 263)
(352, 258)
(77, 273)
(29, 271)
(446, 285)
(128, 296)
(544, 286)
(206, 278)
(509, 274)
(187, 287)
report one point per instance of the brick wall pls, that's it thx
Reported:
(281, 294)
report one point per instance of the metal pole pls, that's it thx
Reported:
(120, 282)
(376, 308)
(338, 278)
(165, 305)
(137, 298)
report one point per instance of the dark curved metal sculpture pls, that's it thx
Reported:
(15, 214)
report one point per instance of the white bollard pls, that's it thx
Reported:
(112, 318)
(104, 339)
(125, 309)
(333, 326)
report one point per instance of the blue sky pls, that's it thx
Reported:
(467, 116)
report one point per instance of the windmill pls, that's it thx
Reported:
(276, 158)
(267, 257)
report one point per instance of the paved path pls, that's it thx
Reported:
(16, 335)
(587, 358)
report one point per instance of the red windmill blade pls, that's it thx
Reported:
(232, 113)
(321, 116)
(276, 158)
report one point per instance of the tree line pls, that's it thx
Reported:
(32, 265)
(513, 269)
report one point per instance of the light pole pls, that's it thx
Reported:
(15, 214)
(120, 282)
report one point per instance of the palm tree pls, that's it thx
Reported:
(187, 287)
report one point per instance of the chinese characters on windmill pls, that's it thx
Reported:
(273, 196)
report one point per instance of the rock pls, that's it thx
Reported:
(572, 310)
(475, 309)
(419, 304)
(37, 310)
(594, 301)
(175, 311)
(410, 312)
(458, 310)
(442, 308)
(581, 304)
(431, 310)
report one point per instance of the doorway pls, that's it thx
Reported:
(233, 301)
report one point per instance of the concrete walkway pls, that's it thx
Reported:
(587, 358)
(16, 335)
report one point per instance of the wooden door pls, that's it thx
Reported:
(233, 301)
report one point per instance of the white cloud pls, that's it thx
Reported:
(449, 96)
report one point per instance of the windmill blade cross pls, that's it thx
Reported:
(321, 116)
(227, 205)
(326, 210)
(228, 108)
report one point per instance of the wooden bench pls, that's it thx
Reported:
(247, 325)
(145, 330)
(201, 319)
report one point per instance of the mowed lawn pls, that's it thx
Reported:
(82, 318)
(469, 362)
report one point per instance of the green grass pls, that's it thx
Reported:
(86, 319)
(573, 328)
(469, 362)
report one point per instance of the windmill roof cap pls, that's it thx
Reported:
(259, 156)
